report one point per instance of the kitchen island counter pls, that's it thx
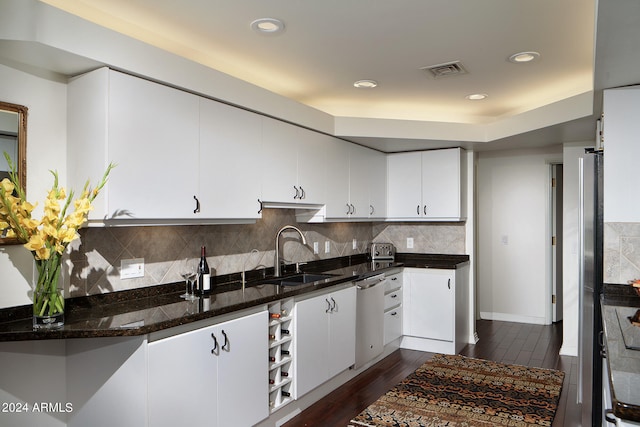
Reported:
(619, 305)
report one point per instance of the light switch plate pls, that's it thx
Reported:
(316, 248)
(327, 247)
(355, 244)
(131, 268)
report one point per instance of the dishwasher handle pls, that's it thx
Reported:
(370, 282)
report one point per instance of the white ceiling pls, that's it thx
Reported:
(329, 44)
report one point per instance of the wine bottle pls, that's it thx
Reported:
(272, 359)
(285, 393)
(204, 274)
(272, 337)
(284, 374)
(271, 381)
(284, 352)
(284, 331)
(275, 315)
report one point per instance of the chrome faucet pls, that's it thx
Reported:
(277, 257)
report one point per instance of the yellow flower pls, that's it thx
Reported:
(68, 235)
(7, 186)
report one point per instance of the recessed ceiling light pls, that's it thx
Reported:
(267, 26)
(477, 96)
(366, 84)
(522, 57)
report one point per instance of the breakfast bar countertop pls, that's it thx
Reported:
(145, 310)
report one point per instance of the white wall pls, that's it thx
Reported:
(46, 150)
(570, 261)
(512, 257)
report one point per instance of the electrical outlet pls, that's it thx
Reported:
(409, 242)
(316, 247)
(327, 247)
(355, 244)
(131, 268)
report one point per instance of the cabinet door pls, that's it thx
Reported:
(337, 178)
(621, 129)
(182, 380)
(280, 160)
(153, 138)
(229, 164)
(342, 331)
(377, 184)
(392, 324)
(431, 304)
(404, 185)
(312, 154)
(312, 341)
(359, 180)
(242, 371)
(441, 197)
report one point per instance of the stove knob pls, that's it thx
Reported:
(377, 253)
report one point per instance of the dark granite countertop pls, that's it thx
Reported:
(619, 303)
(146, 310)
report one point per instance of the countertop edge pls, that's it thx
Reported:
(20, 315)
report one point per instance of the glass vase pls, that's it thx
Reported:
(48, 299)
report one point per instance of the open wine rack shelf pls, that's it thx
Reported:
(281, 381)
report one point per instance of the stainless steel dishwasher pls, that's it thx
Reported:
(369, 318)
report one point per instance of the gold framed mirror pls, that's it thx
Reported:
(13, 140)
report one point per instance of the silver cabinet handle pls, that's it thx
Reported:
(425, 209)
(418, 210)
(372, 210)
(328, 306)
(303, 194)
(449, 283)
(333, 307)
(353, 209)
(348, 209)
(395, 313)
(394, 278)
(197, 209)
(297, 196)
(394, 296)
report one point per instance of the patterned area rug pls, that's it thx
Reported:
(458, 391)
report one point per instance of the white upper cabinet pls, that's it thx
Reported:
(229, 164)
(621, 131)
(337, 179)
(179, 157)
(427, 185)
(293, 162)
(356, 182)
(150, 131)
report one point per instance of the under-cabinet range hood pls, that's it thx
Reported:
(304, 212)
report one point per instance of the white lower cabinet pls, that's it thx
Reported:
(435, 309)
(324, 337)
(393, 308)
(214, 376)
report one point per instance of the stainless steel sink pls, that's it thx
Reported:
(299, 279)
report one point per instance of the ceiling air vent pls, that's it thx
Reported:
(454, 68)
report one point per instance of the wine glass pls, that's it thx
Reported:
(189, 273)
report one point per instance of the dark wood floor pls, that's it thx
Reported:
(517, 343)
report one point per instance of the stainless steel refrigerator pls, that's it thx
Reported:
(590, 287)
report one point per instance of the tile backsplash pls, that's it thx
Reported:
(95, 258)
(621, 252)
